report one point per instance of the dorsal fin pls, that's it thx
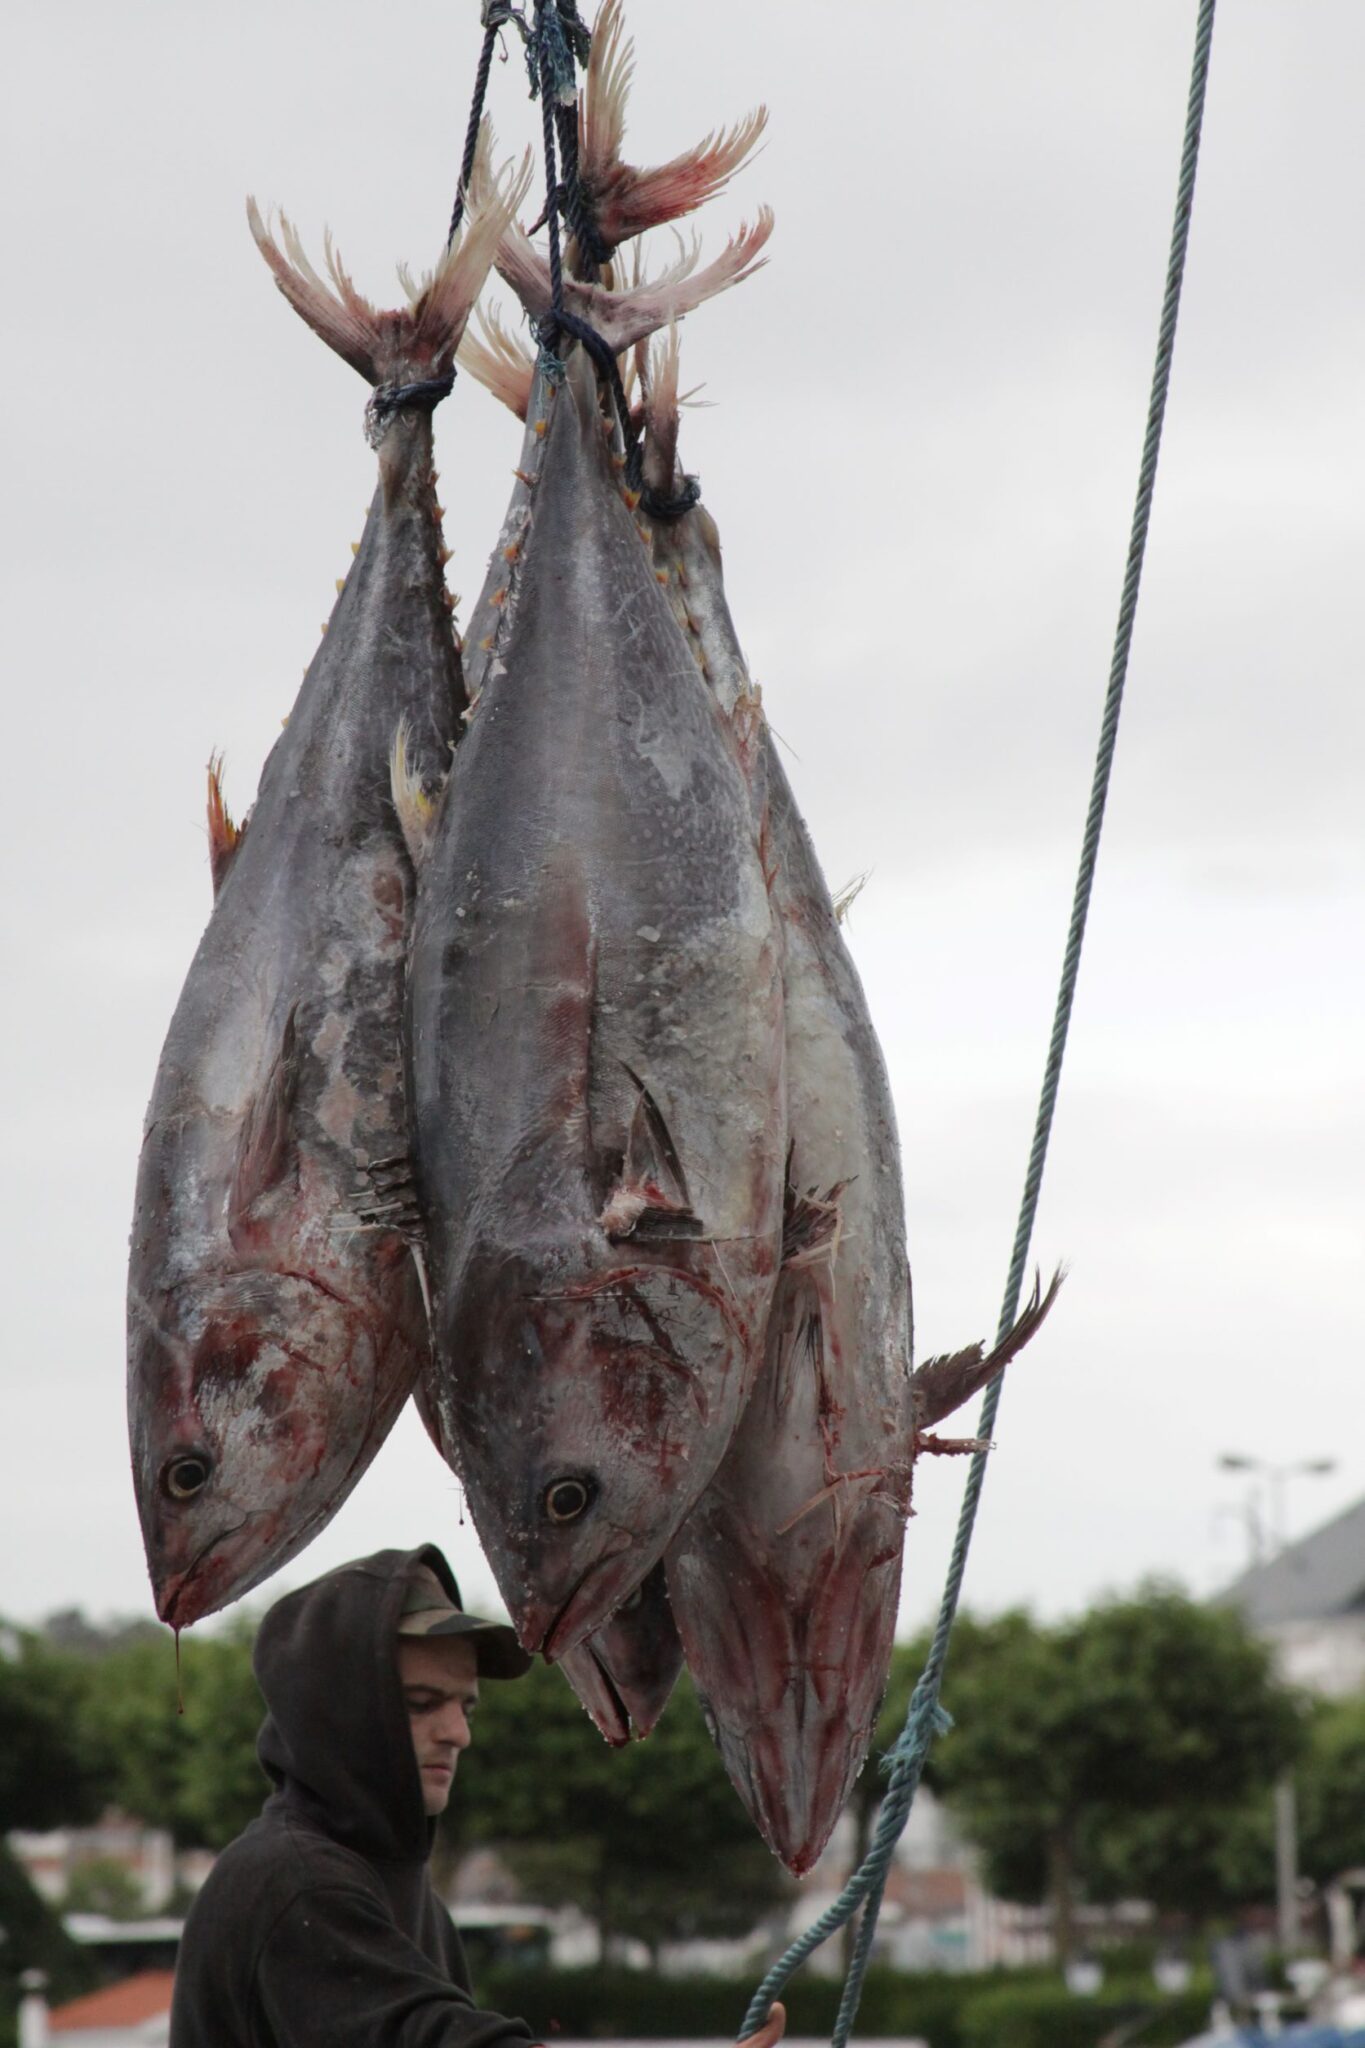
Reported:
(267, 1149)
(224, 836)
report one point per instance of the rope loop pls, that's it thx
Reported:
(388, 399)
(660, 505)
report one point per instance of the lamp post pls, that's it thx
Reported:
(1272, 1526)
(1269, 1531)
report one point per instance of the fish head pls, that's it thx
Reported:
(256, 1398)
(595, 1416)
(791, 1682)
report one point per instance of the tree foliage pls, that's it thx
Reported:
(176, 1748)
(1130, 1752)
(650, 1840)
(1331, 1791)
(48, 1776)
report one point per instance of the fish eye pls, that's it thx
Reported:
(567, 1499)
(187, 1475)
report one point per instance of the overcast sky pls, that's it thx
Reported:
(927, 415)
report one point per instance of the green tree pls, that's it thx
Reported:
(179, 1747)
(48, 1778)
(1331, 1790)
(1120, 1752)
(650, 1840)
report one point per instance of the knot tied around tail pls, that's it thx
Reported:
(388, 399)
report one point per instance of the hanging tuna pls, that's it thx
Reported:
(276, 1320)
(595, 1039)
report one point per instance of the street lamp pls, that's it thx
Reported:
(1286, 1818)
(1273, 1525)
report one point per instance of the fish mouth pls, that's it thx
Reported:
(596, 1596)
(592, 1681)
(170, 1604)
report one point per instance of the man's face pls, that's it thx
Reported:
(439, 1677)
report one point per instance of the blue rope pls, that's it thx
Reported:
(926, 1718)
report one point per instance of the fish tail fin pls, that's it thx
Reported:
(626, 317)
(419, 340)
(499, 360)
(622, 200)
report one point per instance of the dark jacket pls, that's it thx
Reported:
(319, 1924)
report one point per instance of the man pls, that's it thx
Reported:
(318, 1927)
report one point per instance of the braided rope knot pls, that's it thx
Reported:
(926, 1719)
(388, 399)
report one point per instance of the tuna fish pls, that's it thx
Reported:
(276, 1320)
(785, 1578)
(595, 1036)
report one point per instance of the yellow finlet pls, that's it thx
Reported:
(415, 808)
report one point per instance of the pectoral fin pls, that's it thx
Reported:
(651, 1197)
(944, 1384)
(266, 1151)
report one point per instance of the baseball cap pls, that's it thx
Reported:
(428, 1610)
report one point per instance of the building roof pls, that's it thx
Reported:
(144, 1997)
(1320, 1576)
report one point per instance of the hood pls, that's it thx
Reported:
(336, 1738)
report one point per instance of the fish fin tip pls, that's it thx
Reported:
(225, 837)
(627, 201)
(943, 1384)
(499, 360)
(415, 805)
(849, 894)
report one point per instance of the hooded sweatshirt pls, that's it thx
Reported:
(319, 1925)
